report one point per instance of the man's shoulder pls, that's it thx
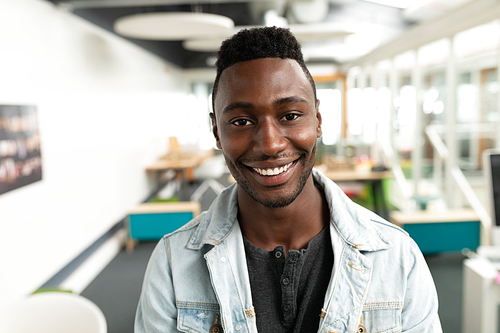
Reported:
(386, 226)
(390, 230)
(396, 236)
(400, 240)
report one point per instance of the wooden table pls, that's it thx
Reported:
(368, 176)
(179, 162)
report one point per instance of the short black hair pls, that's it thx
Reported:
(257, 43)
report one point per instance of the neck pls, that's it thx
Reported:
(292, 226)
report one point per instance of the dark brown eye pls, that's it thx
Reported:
(290, 116)
(241, 122)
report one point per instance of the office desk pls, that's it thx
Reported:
(368, 176)
(178, 162)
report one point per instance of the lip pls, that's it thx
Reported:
(274, 180)
(272, 170)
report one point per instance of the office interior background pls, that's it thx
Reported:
(408, 86)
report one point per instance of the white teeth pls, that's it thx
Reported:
(273, 172)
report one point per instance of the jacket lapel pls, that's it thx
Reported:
(229, 276)
(350, 286)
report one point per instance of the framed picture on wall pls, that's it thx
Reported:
(20, 157)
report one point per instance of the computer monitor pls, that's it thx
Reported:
(491, 163)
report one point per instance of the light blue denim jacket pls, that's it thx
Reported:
(198, 274)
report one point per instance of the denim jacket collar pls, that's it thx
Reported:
(355, 228)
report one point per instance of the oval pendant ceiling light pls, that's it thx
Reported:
(303, 33)
(172, 25)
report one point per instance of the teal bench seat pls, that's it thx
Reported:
(151, 221)
(436, 232)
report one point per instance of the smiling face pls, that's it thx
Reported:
(266, 123)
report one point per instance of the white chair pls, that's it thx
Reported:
(211, 169)
(53, 312)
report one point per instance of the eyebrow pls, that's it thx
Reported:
(238, 105)
(288, 100)
(250, 106)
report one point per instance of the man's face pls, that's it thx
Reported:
(266, 123)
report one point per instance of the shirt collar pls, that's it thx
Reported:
(351, 221)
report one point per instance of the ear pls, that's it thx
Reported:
(319, 121)
(215, 130)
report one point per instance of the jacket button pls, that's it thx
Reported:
(286, 281)
(223, 259)
(215, 328)
(238, 327)
(361, 329)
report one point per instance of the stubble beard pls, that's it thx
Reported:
(278, 202)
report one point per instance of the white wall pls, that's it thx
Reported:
(104, 107)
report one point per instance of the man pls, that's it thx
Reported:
(283, 250)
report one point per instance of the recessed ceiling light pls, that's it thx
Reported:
(393, 3)
(172, 25)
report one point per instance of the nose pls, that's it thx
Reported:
(269, 138)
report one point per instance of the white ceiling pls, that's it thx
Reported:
(331, 31)
(423, 10)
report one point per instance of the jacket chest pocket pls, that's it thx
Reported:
(382, 317)
(198, 317)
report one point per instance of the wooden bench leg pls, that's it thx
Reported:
(130, 245)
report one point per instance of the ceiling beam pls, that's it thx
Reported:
(468, 16)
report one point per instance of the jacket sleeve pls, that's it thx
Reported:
(420, 311)
(156, 311)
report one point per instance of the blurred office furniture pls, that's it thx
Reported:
(481, 292)
(367, 176)
(173, 145)
(53, 312)
(151, 221)
(210, 169)
(436, 232)
(454, 180)
(178, 162)
(424, 74)
(491, 164)
(182, 163)
(481, 296)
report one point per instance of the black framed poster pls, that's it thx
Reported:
(20, 158)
